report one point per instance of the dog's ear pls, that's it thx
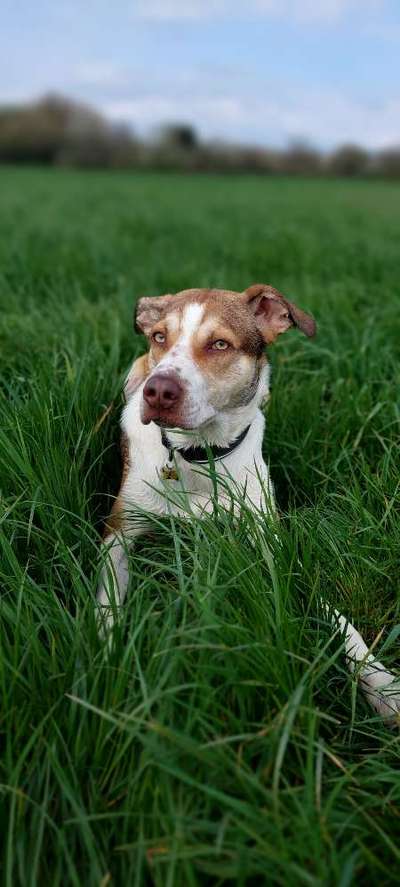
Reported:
(274, 314)
(148, 312)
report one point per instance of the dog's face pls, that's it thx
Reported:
(206, 350)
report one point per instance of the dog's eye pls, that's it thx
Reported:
(220, 345)
(159, 338)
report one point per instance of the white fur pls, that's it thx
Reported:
(114, 580)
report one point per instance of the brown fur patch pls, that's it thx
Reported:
(115, 520)
(274, 321)
(137, 374)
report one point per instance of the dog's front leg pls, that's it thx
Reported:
(114, 578)
(380, 686)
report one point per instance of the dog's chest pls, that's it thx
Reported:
(161, 485)
(157, 484)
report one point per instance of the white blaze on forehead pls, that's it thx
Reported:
(192, 317)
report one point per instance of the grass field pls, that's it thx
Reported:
(222, 740)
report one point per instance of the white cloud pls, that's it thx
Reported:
(169, 10)
(314, 11)
(290, 10)
(211, 114)
(98, 73)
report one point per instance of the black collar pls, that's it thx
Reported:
(200, 454)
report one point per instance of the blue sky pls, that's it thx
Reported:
(255, 71)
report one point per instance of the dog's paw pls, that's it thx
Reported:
(382, 690)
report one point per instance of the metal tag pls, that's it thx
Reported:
(169, 472)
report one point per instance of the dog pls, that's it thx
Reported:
(195, 398)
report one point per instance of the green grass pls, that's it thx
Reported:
(222, 740)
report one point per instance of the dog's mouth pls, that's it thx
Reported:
(181, 426)
(167, 419)
(182, 421)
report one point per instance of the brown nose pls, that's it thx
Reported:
(162, 392)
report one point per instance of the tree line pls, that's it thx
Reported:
(60, 132)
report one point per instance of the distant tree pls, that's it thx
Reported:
(227, 157)
(387, 163)
(300, 159)
(175, 146)
(61, 131)
(349, 160)
(179, 136)
(29, 134)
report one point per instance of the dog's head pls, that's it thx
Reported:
(206, 350)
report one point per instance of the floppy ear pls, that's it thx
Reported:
(148, 312)
(274, 314)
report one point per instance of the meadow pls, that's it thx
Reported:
(221, 740)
